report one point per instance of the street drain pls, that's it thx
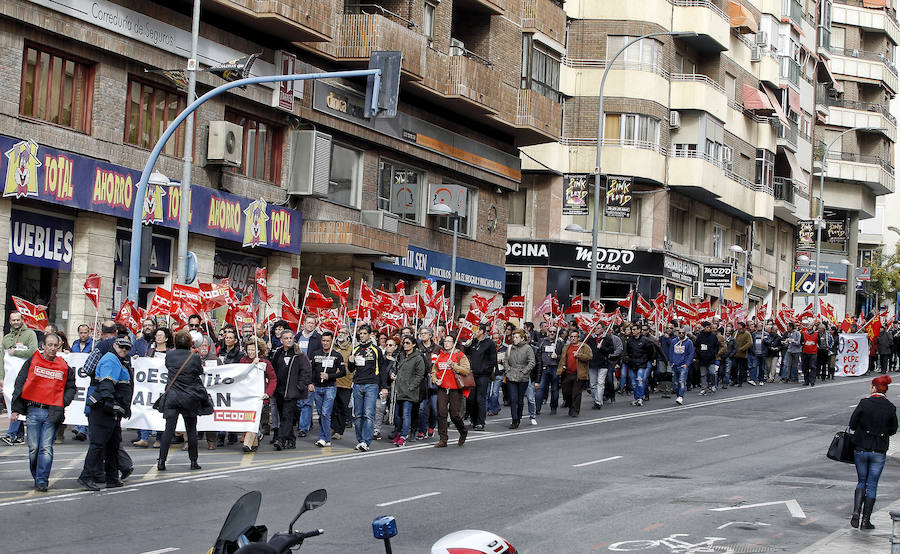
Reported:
(668, 477)
(746, 548)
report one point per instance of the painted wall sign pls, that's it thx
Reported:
(566, 255)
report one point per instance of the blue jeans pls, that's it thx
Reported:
(789, 363)
(324, 399)
(549, 385)
(364, 397)
(625, 377)
(16, 429)
(679, 379)
(639, 380)
(493, 405)
(428, 411)
(517, 391)
(41, 433)
(868, 470)
(144, 434)
(755, 363)
(305, 407)
(725, 371)
(709, 373)
(404, 411)
(81, 429)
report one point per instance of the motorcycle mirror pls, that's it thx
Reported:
(241, 517)
(312, 501)
(384, 527)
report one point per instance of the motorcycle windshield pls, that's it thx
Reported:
(241, 517)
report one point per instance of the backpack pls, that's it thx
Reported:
(618, 347)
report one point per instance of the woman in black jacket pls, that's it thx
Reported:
(874, 421)
(185, 397)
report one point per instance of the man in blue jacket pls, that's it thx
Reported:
(681, 354)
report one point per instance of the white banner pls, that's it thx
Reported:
(236, 389)
(852, 358)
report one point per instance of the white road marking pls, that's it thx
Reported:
(795, 419)
(120, 492)
(792, 505)
(161, 550)
(713, 438)
(417, 497)
(611, 458)
(757, 523)
(489, 436)
(205, 478)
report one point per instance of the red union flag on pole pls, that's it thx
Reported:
(129, 316)
(289, 313)
(626, 303)
(161, 303)
(516, 307)
(262, 285)
(543, 307)
(575, 305)
(33, 315)
(92, 289)
(341, 289)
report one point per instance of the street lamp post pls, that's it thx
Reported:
(821, 211)
(184, 206)
(738, 250)
(600, 123)
(445, 210)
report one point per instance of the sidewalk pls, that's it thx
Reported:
(849, 539)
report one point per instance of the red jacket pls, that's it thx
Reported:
(810, 342)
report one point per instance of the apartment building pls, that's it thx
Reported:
(715, 132)
(306, 185)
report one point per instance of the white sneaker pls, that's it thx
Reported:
(679, 401)
(640, 401)
(363, 447)
(751, 382)
(762, 383)
(359, 446)
(702, 392)
(322, 443)
(533, 421)
(712, 389)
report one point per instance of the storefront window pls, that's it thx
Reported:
(149, 111)
(262, 147)
(400, 191)
(56, 88)
(343, 183)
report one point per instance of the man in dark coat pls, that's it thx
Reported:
(294, 377)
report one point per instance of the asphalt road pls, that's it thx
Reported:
(613, 480)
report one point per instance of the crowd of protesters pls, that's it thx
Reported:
(401, 386)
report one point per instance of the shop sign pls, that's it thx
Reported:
(717, 275)
(805, 283)
(565, 255)
(41, 240)
(575, 194)
(160, 251)
(283, 95)
(436, 266)
(453, 196)
(681, 270)
(32, 171)
(618, 196)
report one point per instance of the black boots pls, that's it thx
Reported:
(868, 504)
(160, 465)
(858, 496)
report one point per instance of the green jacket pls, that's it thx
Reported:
(23, 336)
(410, 371)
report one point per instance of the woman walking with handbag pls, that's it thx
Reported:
(185, 395)
(519, 363)
(410, 373)
(450, 362)
(874, 421)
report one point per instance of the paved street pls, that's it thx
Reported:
(653, 479)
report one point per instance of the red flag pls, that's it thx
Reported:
(214, 295)
(186, 299)
(341, 289)
(660, 301)
(262, 285)
(643, 308)
(161, 303)
(586, 322)
(437, 301)
(243, 314)
(626, 303)
(314, 297)
(469, 323)
(400, 287)
(290, 313)
(543, 307)
(555, 308)
(92, 289)
(480, 302)
(873, 327)
(366, 294)
(410, 304)
(848, 321)
(516, 307)
(33, 315)
(575, 306)
(129, 317)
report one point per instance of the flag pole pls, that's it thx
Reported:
(303, 306)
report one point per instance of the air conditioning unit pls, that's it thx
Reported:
(756, 54)
(225, 143)
(762, 38)
(457, 47)
(310, 163)
(381, 219)
(697, 289)
(674, 119)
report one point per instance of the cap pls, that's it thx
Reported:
(123, 342)
(196, 338)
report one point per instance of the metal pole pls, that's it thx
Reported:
(895, 532)
(185, 203)
(453, 266)
(134, 265)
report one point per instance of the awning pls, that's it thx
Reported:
(796, 171)
(874, 3)
(754, 99)
(829, 76)
(777, 107)
(742, 19)
(794, 101)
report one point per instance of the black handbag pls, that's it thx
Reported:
(841, 449)
(160, 404)
(207, 407)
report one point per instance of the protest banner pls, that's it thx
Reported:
(852, 358)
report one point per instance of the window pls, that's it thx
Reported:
(681, 149)
(730, 85)
(718, 244)
(398, 179)
(632, 129)
(700, 235)
(540, 69)
(149, 111)
(785, 245)
(56, 88)
(677, 225)
(262, 147)
(765, 169)
(518, 202)
(770, 240)
(646, 54)
(465, 230)
(624, 225)
(428, 21)
(343, 183)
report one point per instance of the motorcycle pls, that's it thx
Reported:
(241, 535)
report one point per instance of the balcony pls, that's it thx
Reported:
(790, 70)
(712, 25)
(643, 159)
(874, 172)
(697, 175)
(544, 16)
(360, 34)
(787, 135)
(474, 84)
(581, 77)
(291, 20)
(852, 12)
(866, 67)
(769, 70)
(487, 7)
(847, 113)
(694, 91)
(786, 200)
(535, 112)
